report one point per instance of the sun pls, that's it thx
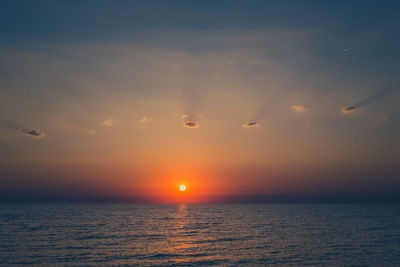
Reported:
(182, 187)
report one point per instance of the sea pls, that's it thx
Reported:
(200, 235)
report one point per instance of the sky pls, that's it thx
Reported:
(241, 101)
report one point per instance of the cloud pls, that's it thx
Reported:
(191, 121)
(191, 124)
(145, 119)
(250, 124)
(92, 132)
(298, 108)
(347, 49)
(349, 110)
(367, 100)
(12, 125)
(108, 122)
(31, 133)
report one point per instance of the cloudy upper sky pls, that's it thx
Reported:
(239, 100)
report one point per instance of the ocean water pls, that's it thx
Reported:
(195, 235)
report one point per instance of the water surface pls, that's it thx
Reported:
(224, 235)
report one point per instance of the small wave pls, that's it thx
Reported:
(174, 255)
(217, 240)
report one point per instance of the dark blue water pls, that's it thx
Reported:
(226, 235)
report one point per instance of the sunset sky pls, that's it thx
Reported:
(237, 100)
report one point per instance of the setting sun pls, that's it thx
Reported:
(182, 188)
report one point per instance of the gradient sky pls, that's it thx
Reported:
(94, 96)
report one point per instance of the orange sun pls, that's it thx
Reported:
(182, 187)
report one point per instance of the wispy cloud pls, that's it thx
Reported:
(108, 122)
(347, 49)
(145, 119)
(298, 108)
